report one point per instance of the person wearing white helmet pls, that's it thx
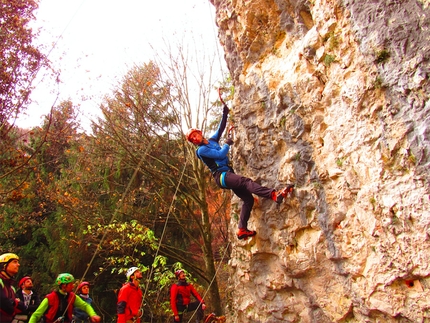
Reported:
(130, 298)
(9, 303)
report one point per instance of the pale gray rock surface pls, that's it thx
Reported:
(333, 96)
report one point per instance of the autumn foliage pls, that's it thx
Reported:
(20, 59)
(131, 193)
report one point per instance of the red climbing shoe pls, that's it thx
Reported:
(245, 233)
(279, 196)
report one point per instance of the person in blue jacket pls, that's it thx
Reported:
(215, 157)
(80, 316)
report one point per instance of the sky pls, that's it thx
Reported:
(93, 43)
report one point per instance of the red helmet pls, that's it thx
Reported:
(82, 285)
(23, 280)
(192, 130)
(178, 272)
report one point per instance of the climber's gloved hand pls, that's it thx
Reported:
(229, 141)
(225, 110)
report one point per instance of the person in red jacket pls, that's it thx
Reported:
(180, 298)
(9, 302)
(130, 298)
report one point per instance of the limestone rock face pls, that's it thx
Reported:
(334, 97)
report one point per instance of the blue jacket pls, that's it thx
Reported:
(212, 154)
(80, 315)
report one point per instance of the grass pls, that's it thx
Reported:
(283, 121)
(382, 56)
(328, 59)
(332, 40)
(412, 159)
(378, 84)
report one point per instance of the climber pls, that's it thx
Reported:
(216, 159)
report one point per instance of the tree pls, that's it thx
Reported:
(142, 131)
(187, 72)
(21, 60)
(32, 219)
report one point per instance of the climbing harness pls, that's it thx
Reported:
(222, 180)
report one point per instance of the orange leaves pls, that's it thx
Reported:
(21, 57)
(16, 196)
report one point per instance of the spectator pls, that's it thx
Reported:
(79, 316)
(180, 298)
(58, 306)
(9, 303)
(130, 298)
(28, 297)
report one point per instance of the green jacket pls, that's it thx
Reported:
(43, 308)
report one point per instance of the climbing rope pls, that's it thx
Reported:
(113, 216)
(162, 236)
(213, 278)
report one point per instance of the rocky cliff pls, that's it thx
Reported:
(333, 96)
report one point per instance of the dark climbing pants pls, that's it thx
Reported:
(189, 308)
(243, 187)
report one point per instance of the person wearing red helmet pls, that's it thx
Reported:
(29, 297)
(180, 298)
(9, 303)
(80, 316)
(130, 298)
(216, 159)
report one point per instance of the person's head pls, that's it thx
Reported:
(84, 288)
(180, 274)
(195, 136)
(9, 263)
(133, 273)
(26, 283)
(65, 282)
